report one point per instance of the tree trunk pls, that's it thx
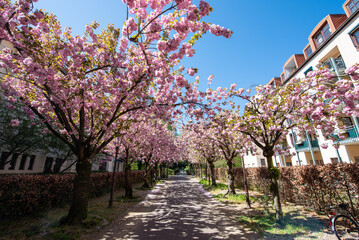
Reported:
(80, 196)
(274, 187)
(246, 184)
(152, 174)
(163, 171)
(128, 185)
(230, 178)
(160, 171)
(209, 176)
(147, 176)
(167, 167)
(211, 166)
(205, 172)
(162, 175)
(110, 202)
(156, 171)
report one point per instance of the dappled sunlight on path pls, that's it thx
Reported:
(177, 209)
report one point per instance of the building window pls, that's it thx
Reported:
(354, 35)
(48, 164)
(23, 162)
(334, 160)
(282, 77)
(103, 166)
(307, 71)
(3, 159)
(31, 163)
(352, 6)
(13, 161)
(347, 121)
(322, 35)
(263, 162)
(289, 164)
(308, 51)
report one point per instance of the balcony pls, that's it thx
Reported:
(335, 65)
(351, 136)
(304, 146)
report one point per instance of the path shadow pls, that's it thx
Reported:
(178, 209)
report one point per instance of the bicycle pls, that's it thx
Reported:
(345, 225)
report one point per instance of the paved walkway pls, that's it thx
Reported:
(177, 209)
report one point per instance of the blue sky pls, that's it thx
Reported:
(266, 34)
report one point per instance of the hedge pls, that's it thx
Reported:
(28, 194)
(313, 186)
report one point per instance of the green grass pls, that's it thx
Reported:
(209, 187)
(233, 198)
(290, 224)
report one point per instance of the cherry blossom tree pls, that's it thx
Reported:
(337, 91)
(215, 138)
(159, 147)
(194, 158)
(129, 155)
(202, 145)
(231, 143)
(83, 87)
(272, 112)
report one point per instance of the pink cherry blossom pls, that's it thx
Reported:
(15, 122)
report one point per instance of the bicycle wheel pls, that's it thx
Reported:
(345, 228)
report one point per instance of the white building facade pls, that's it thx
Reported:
(334, 43)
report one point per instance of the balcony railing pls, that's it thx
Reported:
(304, 146)
(351, 135)
(335, 64)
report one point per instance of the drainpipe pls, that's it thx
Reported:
(339, 157)
(310, 147)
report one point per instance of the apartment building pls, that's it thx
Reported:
(334, 43)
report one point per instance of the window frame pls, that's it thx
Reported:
(282, 76)
(334, 160)
(31, 162)
(3, 163)
(354, 6)
(321, 33)
(353, 38)
(306, 51)
(310, 69)
(347, 121)
(263, 162)
(13, 161)
(48, 166)
(23, 161)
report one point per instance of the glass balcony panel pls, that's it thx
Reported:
(305, 145)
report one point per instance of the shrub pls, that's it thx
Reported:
(311, 185)
(28, 194)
